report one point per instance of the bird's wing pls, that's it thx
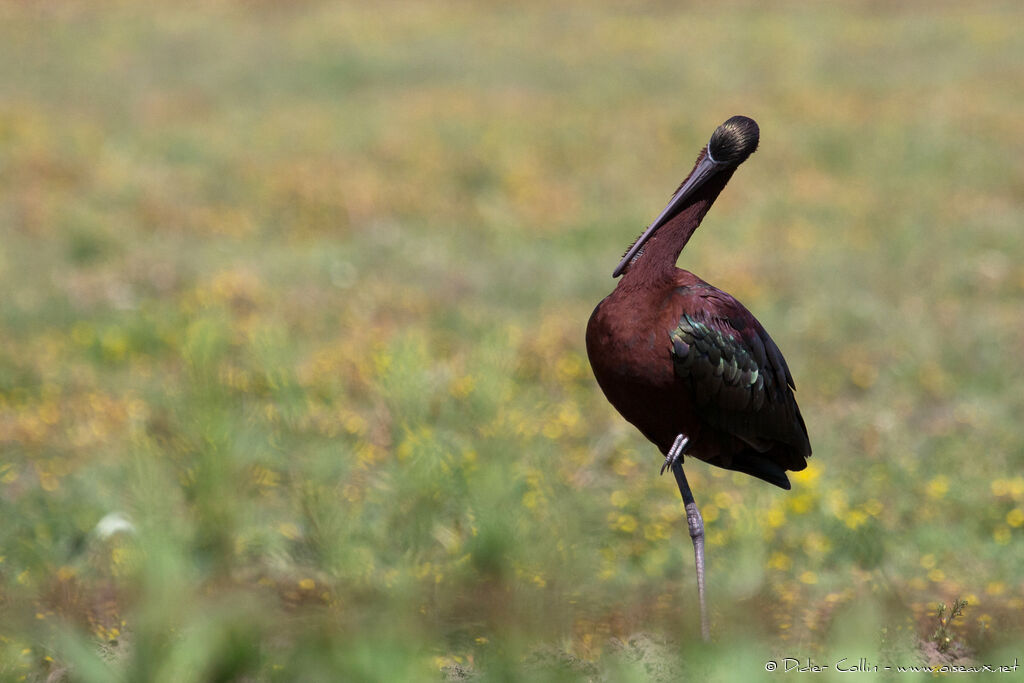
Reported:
(739, 379)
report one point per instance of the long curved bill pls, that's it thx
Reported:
(704, 170)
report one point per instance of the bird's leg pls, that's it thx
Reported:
(675, 453)
(696, 525)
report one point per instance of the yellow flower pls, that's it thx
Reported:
(808, 475)
(816, 544)
(938, 486)
(569, 367)
(531, 499)
(552, 430)
(854, 518)
(709, 512)
(625, 523)
(800, 504)
(775, 517)
(780, 561)
(462, 386)
(995, 588)
(289, 530)
(863, 375)
(624, 467)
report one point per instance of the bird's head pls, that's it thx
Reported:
(730, 145)
(734, 141)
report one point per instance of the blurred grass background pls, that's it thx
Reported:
(301, 291)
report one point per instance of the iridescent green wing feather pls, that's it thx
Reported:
(739, 379)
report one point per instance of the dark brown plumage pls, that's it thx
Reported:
(676, 355)
(688, 364)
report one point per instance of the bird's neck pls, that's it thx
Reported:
(657, 260)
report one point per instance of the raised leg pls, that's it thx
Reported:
(696, 525)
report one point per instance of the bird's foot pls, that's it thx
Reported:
(675, 453)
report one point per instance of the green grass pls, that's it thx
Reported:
(302, 291)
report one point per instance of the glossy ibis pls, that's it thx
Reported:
(686, 363)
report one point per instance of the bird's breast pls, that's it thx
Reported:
(625, 345)
(630, 353)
